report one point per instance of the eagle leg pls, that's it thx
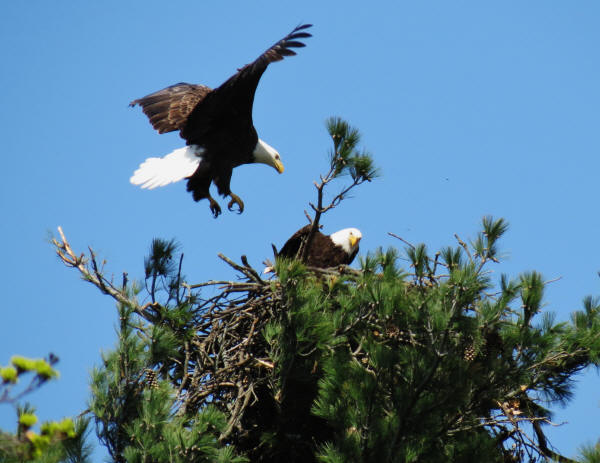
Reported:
(214, 207)
(235, 199)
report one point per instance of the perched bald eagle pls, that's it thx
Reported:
(217, 127)
(325, 251)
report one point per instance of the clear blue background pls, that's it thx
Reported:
(469, 108)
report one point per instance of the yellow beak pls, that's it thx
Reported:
(354, 240)
(279, 166)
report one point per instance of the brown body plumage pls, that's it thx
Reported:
(339, 248)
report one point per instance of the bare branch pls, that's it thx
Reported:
(93, 275)
(464, 246)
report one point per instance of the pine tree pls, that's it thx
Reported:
(57, 441)
(434, 361)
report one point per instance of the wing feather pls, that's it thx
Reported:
(169, 108)
(235, 96)
(276, 52)
(292, 245)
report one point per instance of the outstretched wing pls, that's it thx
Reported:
(169, 108)
(236, 96)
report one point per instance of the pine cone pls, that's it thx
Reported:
(151, 381)
(470, 353)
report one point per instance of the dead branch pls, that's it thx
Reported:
(94, 275)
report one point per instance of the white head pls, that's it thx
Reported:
(268, 155)
(348, 239)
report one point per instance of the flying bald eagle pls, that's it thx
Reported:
(325, 251)
(217, 127)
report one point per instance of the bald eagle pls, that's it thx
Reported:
(325, 251)
(217, 127)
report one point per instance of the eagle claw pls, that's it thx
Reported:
(235, 199)
(214, 207)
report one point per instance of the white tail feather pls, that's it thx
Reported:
(175, 166)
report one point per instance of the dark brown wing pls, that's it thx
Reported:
(169, 108)
(292, 245)
(233, 99)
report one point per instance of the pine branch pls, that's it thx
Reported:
(344, 159)
(543, 445)
(94, 275)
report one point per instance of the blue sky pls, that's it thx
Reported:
(469, 109)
